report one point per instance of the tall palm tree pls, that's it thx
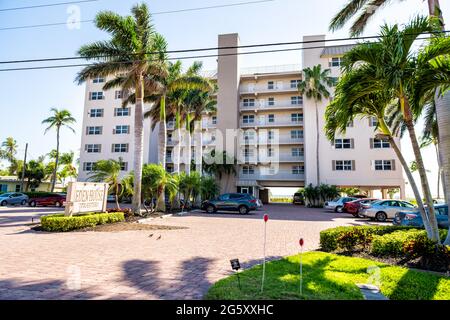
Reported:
(60, 118)
(366, 9)
(9, 149)
(315, 86)
(128, 56)
(397, 70)
(344, 109)
(108, 171)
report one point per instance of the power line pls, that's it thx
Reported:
(174, 58)
(47, 5)
(215, 48)
(155, 13)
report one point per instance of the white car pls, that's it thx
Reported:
(259, 204)
(337, 205)
(386, 209)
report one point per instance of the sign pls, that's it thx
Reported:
(86, 197)
(235, 265)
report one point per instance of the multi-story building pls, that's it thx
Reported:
(263, 121)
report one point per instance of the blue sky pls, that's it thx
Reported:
(27, 96)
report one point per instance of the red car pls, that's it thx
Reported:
(50, 200)
(353, 207)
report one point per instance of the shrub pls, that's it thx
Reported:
(39, 194)
(61, 223)
(349, 238)
(126, 211)
(392, 244)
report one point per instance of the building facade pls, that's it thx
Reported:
(262, 121)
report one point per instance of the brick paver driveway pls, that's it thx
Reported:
(170, 264)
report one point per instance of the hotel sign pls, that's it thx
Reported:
(86, 197)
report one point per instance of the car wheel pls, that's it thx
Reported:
(243, 210)
(24, 202)
(4, 203)
(33, 204)
(210, 209)
(381, 216)
(356, 215)
(58, 204)
(339, 209)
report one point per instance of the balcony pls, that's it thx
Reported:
(285, 175)
(278, 87)
(261, 140)
(266, 106)
(282, 158)
(265, 123)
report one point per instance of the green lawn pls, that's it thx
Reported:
(330, 276)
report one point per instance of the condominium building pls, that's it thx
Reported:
(262, 121)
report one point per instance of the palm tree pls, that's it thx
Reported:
(69, 170)
(10, 149)
(314, 86)
(396, 70)
(60, 118)
(128, 57)
(366, 9)
(344, 109)
(108, 171)
(157, 181)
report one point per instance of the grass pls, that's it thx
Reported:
(330, 277)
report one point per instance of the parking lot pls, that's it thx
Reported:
(164, 264)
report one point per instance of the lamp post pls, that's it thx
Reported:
(266, 218)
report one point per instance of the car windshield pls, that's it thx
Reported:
(5, 195)
(336, 200)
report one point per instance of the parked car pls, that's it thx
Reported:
(241, 202)
(298, 198)
(386, 209)
(13, 198)
(353, 207)
(338, 204)
(259, 204)
(414, 219)
(111, 198)
(56, 199)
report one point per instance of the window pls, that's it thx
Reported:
(384, 165)
(118, 94)
(297, 100)
(335, 62)
(294, 84)
(98, 80)
(298, 169)
(214, 120)
(271, 135)
(373, 122)
(17, 187)
(270, 85)
(170, 169)
(248, 119)
(96, 113)
(121, 112)
(271, 118)
(96, 130)
(297, 152)
(343, 144)
(271, 101)
(296, 117)
(249, 135)
(119, 147)
(249, 102)
(297, 134)
(248, 170)
(343, 165)
(248, 152)
(124, 166)
(270, 152)
(380, 144)
(121, 129)
(97, 95)
(93, 148)
(88, 166)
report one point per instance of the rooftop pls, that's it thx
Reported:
(339, 50)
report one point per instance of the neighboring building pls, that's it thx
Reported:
(13, 183)
(276, 143)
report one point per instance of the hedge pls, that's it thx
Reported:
(61, 223)
(40, 194)
(351, 237)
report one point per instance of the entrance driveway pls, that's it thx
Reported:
(166, 264)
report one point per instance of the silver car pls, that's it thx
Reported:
(386, 209)
(337, 205)
(13, 198)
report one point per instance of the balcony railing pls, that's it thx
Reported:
(263, 88)
(261, 106)
(267, 123)
(280, 175)
(271, 159)
(265, 141)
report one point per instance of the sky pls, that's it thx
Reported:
(27, 96)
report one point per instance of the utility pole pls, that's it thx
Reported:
(23, 168)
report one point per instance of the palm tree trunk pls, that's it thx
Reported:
(162, 134)
(420, 168)
(438, 158)
(116, 197)
(138, 146)
(199, 160)
(177, 148)
(413, 185)
(317, 144)
(188, 146)
(55, 169)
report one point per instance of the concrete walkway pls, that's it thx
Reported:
(168, 264)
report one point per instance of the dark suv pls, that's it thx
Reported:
(241, 202)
